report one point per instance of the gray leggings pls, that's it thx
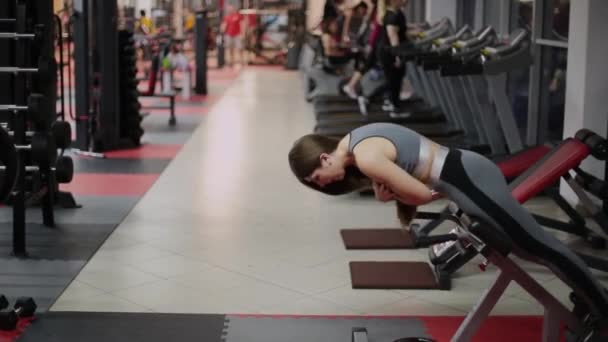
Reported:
(479, 189)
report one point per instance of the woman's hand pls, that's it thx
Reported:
(398, 63)
(383, 193)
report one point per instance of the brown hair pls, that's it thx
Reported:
(304, 159)
(406, 214)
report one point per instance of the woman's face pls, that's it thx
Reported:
(330, 171)
(333, 26)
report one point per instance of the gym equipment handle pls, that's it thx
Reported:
(12, 35)
(18, 70)
(427, 241)
(592, 184)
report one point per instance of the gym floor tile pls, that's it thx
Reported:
(63, 242)
(169, 296)
(43, 280)
(467, 297)
(307, 306)
(104, 184)
(114, 276)
(124, 327)
(133, 255)
(509, 329)
(412, 306)
(360, 300)
(170, 266)
(182, 111)
(318, 329)
(157, 123)
(168, 138)
(94, 210)
(121, 165)
(80, 290)
(146, 151)
(101, 303)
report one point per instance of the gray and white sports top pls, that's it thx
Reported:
(413, 150)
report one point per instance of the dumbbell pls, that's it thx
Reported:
(9, 159)
(23, 308)
(37, 35)
(43, 149)
(36, 103)
(43, 68)
(63, 169)
(60, 130)
(3, 302)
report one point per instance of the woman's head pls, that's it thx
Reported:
(361, 9)
(230, 9)
(314, 162)
(397, 3)
(330, 26)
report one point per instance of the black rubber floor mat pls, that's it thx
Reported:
(120, 165)
(127, 327)
(63, 242)
(376, 238)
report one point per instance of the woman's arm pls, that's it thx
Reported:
(370, 11)
(348, 13)
(407, 189)
(329, 46)
(393, 34)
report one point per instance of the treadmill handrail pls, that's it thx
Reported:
(440, 25)
(517, 38)
(457, 36)
(487, 32)
(446, 30)
(474, 49)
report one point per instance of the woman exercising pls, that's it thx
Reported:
(336, 52)
(370, 24)
(392, 35)
(402, 165)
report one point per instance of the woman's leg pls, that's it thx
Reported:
(478, 187)
(388, 68)
(365, 65)
(396, 84)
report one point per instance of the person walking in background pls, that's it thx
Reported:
(145, 23)
(232, 31)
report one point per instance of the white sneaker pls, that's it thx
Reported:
(400, 115)
(350, 92)
(362, 105)
(388, 106)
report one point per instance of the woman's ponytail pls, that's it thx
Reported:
(380, 11)
(406, 214)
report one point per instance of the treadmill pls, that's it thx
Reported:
(494, 63)
(429, 122)
(438, 91)
(371, 88)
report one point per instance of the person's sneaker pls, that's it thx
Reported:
(399, 115)
(362, 105)
(388, 106)
(350, 92)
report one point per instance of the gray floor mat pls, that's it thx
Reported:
(318, 329)
(44, 280)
